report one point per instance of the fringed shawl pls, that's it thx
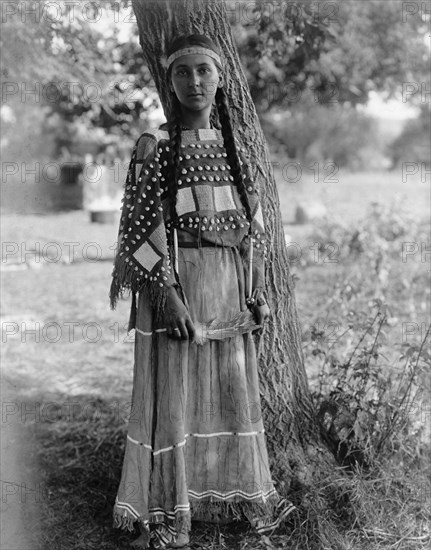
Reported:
(143, 259)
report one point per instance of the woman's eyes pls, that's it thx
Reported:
(202, 70)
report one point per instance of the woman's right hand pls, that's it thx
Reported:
(177, 319)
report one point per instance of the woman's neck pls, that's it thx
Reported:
(193, 120)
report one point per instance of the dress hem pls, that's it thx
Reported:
(211, 511)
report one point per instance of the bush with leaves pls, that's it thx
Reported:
(364, 412)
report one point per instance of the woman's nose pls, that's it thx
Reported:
(194, 80)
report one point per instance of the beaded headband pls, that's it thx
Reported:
(193, 50)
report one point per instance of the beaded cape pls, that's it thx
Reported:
(208, 206)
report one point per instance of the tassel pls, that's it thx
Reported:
(176, 249)
(250, 270)
(132, 318)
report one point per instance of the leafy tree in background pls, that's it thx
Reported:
(340, 50)
(90, 85)
(310, 64)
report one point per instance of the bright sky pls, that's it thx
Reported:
(394, 108)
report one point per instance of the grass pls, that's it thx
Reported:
(347, 195)
(71, 446)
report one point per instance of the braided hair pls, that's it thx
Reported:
(231, 149)
(174, 128)
(222, 114)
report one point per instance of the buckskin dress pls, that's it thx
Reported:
(195, 444)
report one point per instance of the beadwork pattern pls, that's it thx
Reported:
(207, 203)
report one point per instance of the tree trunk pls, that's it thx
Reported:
(297, 455)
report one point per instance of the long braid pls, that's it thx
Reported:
(214, 118)
(231, 149)
(174, 157)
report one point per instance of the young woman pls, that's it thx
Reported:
(195, 445)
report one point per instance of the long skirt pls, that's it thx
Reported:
(196, 441)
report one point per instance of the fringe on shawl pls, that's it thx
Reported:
(125, 279)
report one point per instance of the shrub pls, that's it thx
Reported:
(365, 412)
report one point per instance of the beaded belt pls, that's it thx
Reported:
(200, 244)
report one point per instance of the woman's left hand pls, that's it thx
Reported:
(261, 313)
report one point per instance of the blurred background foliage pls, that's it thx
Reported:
(311, 67)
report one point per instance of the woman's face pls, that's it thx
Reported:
(195, 79)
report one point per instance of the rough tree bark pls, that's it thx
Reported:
(297, 454)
